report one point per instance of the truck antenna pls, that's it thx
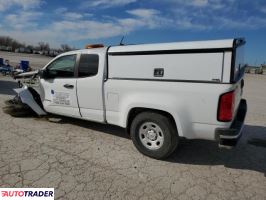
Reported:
(121, 41)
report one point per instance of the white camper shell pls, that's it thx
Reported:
(206, 61)
(158, 92)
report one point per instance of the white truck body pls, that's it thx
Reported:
(184, 80)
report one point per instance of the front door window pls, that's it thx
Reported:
(63, 67)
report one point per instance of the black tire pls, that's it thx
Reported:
(142, 143)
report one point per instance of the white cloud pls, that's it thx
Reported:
(71, 30)
(106, 3)
(130, 24)
(263, 9)
(87, 29)
(188, 24)
(195, 3)
(25, 4)
(150, 18)
(34, 36)
(67, 15)
(22, 20)
(95, 29)
(81, 28)
(216, 15)
(145, 13)
(60, 10)
(199, 3)
(72, 16)
(176, 15)
(250, 22)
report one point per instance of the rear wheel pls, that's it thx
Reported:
(154, 135)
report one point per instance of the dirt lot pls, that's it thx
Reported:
(36, 61)
(84, 160)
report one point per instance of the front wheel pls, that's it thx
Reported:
(154, 135)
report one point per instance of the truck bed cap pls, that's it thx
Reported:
(210, 44)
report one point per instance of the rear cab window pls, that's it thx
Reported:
(88, 65)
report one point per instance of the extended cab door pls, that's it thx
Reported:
(59, 87)
(90, 86)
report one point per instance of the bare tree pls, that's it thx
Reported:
(65, 47)
(44, 46)
(5, 41)
(16, 45)
(10, 42)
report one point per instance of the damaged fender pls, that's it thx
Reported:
(27, 98)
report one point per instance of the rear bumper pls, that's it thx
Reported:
(230, 136)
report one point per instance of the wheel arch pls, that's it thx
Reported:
(133, 112)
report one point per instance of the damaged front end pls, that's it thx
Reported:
(27, 100)
(28, 97)
(29, 79)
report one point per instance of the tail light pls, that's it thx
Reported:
(226, 107)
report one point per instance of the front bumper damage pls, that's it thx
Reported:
(27, 98)
(228, 137)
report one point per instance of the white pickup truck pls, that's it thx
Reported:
(157, 92)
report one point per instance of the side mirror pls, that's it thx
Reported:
(47, 74)
(43, 73)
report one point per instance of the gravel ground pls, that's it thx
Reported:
(36, 61)
(84, 160)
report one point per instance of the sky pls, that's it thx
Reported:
(81, 22)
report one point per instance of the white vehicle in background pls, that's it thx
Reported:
(157, 92)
